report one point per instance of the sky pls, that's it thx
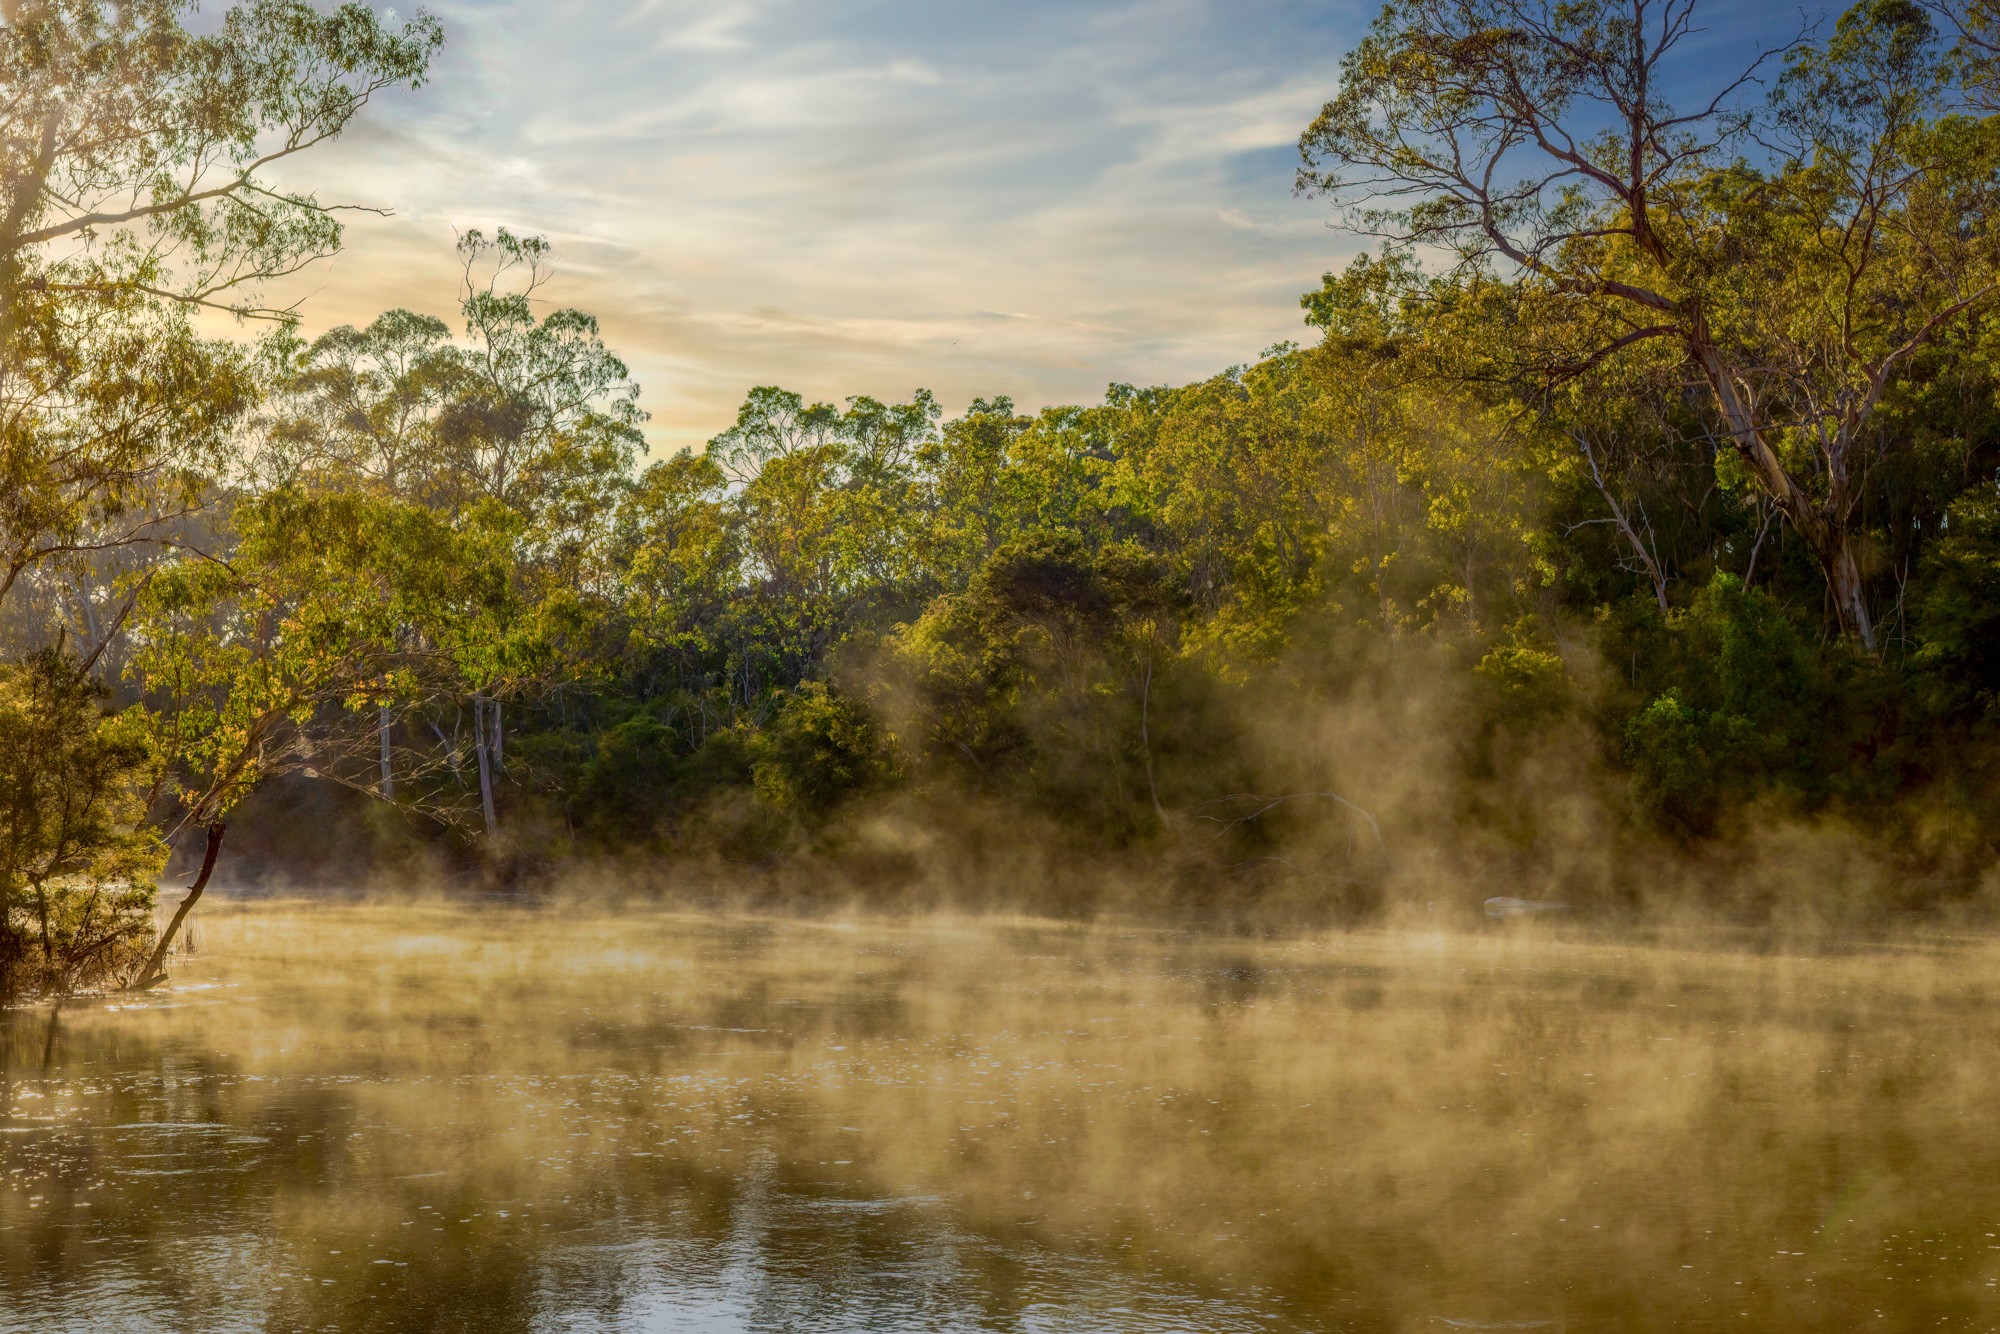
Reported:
(1036, 198)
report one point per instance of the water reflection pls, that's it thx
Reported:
(361, 1118)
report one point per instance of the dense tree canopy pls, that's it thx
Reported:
(1637, 503)
(1794, 249)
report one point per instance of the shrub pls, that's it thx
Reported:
(78, 863)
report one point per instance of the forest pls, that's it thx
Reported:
(1623, 528)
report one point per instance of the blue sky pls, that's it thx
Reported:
(867, 196)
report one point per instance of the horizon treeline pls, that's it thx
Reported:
(1629, 527)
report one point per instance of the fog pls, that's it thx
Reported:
(370, 1116)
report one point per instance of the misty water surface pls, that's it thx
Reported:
(363, 1118)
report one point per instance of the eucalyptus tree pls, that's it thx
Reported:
(968, 491)
(1045, 670)
(535, 444)
(78, 858)
(543, 417)
(358, 408)
(136, 189)
(136, 186)
(520, 436)
(678, 560)
(137, 152)
(1976, 25)
(823, 516)
(277, 659)
(1796, 250)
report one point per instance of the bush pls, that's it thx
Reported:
(78, 864)
(1958, 619)
(821, 749)
(1688, 764)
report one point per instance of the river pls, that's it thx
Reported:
(361, 1117)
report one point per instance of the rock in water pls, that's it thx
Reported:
(1506, 907)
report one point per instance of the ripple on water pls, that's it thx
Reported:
(524, 1122)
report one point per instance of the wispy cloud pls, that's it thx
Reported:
(698, 25)
(844, 196)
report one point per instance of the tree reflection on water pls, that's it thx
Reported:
(363, 1118)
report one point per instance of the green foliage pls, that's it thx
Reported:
(139, 184)
(1753, 710)
(1479, 557)
(1789, 255)
(646, 784)
(818, 751)
(77, 858)
(136, 187)
(152, 143)
(1044, 674)
(266, 664)
(1745, 654)
(1531, 678)
(1958, 618)
(1690, 766)
(625, 789)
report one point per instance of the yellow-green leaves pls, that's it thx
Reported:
(77, 856)
(327, 607)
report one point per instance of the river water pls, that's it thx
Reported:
(357, 1118)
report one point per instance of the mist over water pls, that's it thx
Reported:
(364, 1117)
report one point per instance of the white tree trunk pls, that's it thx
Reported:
(483, 744)
(388, 770)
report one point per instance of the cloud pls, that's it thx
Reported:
(840, 195)
(699, 25)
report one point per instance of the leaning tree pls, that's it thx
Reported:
(140, 164)
(1795, 232)
(146, 177)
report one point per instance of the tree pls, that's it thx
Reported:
(969, 490)
(134, 153)
(1796, 252)
(521, 438)
(278, 659)
(825, 522)
(1047, 665)
(820, 750)
(359, 408)
(542, 417)
(77, 858)
(134, 187)
(678, 564)
(1976, 24)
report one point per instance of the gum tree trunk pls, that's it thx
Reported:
(1823, 528)
(483, 744)
(154, 972)
(388, 770)
(1850, 600)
